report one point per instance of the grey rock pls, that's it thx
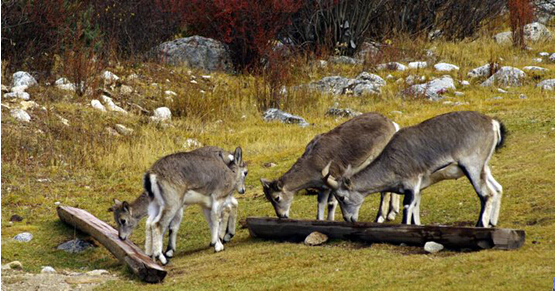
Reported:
(342, 112)
(433, 89)
(99, 272)
(192, 143)
(65, 84)
(162, 113)
(24, 237)
(15, 265)
(552, 58)
(20, 115)
(417, 65)
(522, 96)
(483, 71)
(543, 54)
(367, 49)
(505, 37)
(23, 78)
(501, 90)
(547, 85)
(20, 88)
(125, 89)
(445, 67)
(111, 105)
(344, 60)
(465, 83)
(364, 83)
(276, 114)
(47, 270)
(97, 105)
(536, 31)
(75, 246)
(535, 69)
(196, 52)
(315, 239)
(459, 94)
(537, 60)
(109, 77)
(433, 247)
(121, 129)
(506, 76)
(18, 95)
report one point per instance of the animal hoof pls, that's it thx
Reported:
(228, 237)
(380, 219)
(218, 247)
(169, 253)
(391, 216)
(162, 260)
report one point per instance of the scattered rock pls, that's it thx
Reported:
(392, 66)
(196, 52)
(389, 77)
(445, 67)
(170, 93)
(47, 270)
(20, 115)
(25, 105)
(125, 90)
(536, 31)
(269, 165)
(501, 90)
(396, 112)
(465, 83)
(20, 95)
(552, 58)
(503, 37)
(192, 143)
(16, 218)
(65, 84)
(112, 131)
(132, 77)
(547, 85)
(459, 94)
(322, 63)
(367, 49)
(537, 60)
(364, 83)
(433, 247)
(522, 96)
(109, 77)
(342, 112)
(535, 69)
(276, 114)
(417, 65)
(543, 54)
(410, 79)
(121, 129)
(433, 89)
(75, 246)
(162, 114)
(23, 78)
(483, 71)
(63, 120)
(111, 105)
(506, 76)
(99, 272)
(315, 239)
(344, 60)
(97, 105)
(15, 265)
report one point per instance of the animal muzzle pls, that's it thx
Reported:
(241, 190)
(122, 237)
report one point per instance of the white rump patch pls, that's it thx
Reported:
(497, 131)
(397, 127)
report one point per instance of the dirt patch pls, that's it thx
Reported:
(19, 280)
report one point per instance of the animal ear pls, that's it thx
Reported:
(348, 183)
(278, 185)
(125, 206)
(265, 183)
(117, 203)
(238, 156)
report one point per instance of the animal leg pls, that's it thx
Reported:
(166, 216)
(332, 205)
(393, 206)
(498, 189)
(384, 207)
(173, 229)
(322, 201)
(478, 178)
(231, 225)
(408, 206)
(215, 212)
(224, 220)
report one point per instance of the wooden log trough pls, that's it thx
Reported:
(125, 250)
(452, 237)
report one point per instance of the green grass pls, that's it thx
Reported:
(87, 168)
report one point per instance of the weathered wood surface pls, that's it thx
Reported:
(449, 236)
(126, 251)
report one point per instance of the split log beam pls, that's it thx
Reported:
(126, 251)
(449, 236)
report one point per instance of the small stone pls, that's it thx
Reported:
(543, 54)
(170, 93)
(547, 85)
(322, 63)
(465, 83)
(417, 65)
(109, 77)
(315, 239)
(194, 82)
(537, 60)
(343, 112)
(64, 84)
(15, 265)
(445, 67)
(433, 247)
(20, 115)
(5, 89)
(120, 128)
(162, 113)
(25, 105)
(501, 90)
(269, 165)
(396, 112)
(16, 218)
(389, 77)
(97, 105)
(23, 78)
(403, 245)
(276, 114)
(459, 94)
(132, 77)
(534, 69)
(191, 143)
(392, 66)
(47, 270)
(20, 95)
(57, 203)
(522, 96)
(206, 77)
(125, 89)
(111, 105)
(75, 246)
(552, 57)
(98, 272)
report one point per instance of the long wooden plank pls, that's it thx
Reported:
(450, 237)
(126, 251)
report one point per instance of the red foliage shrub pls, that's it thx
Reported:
(521, 13)
(246, 26)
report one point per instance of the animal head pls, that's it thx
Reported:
(239, 167)
(123, 215)
(279, 197)
(349, 199)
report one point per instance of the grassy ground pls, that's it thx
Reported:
(86, 167)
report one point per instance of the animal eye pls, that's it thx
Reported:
(246, 172)
(341, 198)
(277, 198)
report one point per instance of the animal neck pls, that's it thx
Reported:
(140, 206)
(374, 178)
(298, 178)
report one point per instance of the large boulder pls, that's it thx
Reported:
(432, 90)
(483, 71)
(445, 67)
(506, 76)
(22, 78)
(196, 52)
(533, 32)
(364, 83)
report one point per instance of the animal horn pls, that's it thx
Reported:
(331, 182)
(326, 169)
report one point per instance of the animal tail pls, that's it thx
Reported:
(152, 188)
(501, 132)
